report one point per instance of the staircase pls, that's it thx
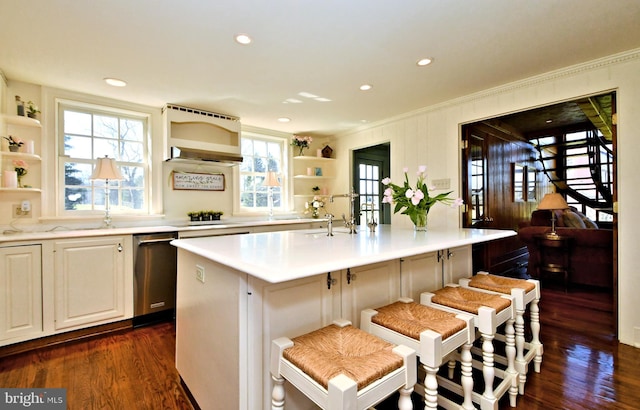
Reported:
(580, 165)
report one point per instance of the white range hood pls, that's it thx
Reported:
(197, 135)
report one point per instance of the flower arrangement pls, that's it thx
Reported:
(14, 141)
(21, 168)
(415, 202)
(301, 143)
(32, 109)
(314, 206)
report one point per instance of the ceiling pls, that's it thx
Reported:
(183, 52)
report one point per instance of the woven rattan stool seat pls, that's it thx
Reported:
(340, 367)
(411, 319)
(500, 284)
(333, 350)
(468, 300)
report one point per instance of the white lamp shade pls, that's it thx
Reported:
(106, 169)
(271, 179)
(553, 201)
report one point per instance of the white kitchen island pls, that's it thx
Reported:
(237, 293)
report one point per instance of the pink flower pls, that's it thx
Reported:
(415, 196)
(386, 181)
(18, 163)
(388, 196)
(457, 202)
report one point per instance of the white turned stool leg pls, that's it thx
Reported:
(521, 362)
(534, 312)
(277, 395)
(430, 387)
(466, 381)
(488, 371)
(510, 350)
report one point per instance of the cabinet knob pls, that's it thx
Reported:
(119, 247)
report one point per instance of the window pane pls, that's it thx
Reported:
(132, 130)
(77, 174)
(104, 147)
(131, 152)
(106, 127)
(133, 177)
(77, 123)
(77, 199)
(77, 147)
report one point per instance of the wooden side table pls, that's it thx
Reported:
(555, 256)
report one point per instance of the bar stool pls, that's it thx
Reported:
(342, 367)
(525, 292)
(489, 311)
(433, 334)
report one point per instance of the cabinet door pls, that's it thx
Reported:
(420, 273)
(21, 290)
(286, 309)
(369, 286)
(89, 281)
(457, 264)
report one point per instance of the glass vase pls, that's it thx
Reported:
(301, 152)
(420, 224)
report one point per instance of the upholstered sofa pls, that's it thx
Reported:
(591, 249)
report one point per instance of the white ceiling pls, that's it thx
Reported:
(183, 52)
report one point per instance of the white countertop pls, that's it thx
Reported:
(282, 256)
(33, 233)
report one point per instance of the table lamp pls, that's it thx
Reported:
(271, 181)
(106, 169)
(553, 202)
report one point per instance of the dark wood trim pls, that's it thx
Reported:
(67, 337)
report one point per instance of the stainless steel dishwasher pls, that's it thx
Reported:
(155, 270)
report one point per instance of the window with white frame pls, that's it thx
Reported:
(87, 132)
(261, 154)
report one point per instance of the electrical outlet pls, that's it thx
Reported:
(19, 212)
(441, 183)
(200, 273)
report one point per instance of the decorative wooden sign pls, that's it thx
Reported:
(198, 182)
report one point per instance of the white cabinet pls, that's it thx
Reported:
(368, 286)
(89, 282)
(21, 292)
(457, 263)
(430, 271)
(285, 309)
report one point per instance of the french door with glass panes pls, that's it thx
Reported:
(371, 165)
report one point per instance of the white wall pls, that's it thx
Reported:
(431, 137)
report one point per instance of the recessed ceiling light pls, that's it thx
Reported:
(115, 82)
(292, 101)
(243, 39)
(424, 61)
(284, 119)
(366, 87)
(549, 121)
(322, 99)
(307, 95)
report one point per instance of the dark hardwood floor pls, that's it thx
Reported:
(583, 365)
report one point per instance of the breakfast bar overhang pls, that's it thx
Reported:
(235, 294)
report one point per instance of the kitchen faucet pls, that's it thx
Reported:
(351, 223)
